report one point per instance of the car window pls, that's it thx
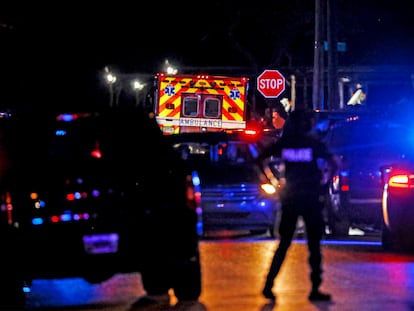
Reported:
(369, 134)
(223, 152)
(228, 173)
(218, 158)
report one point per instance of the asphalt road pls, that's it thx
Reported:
(358, 274)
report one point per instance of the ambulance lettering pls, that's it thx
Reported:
(200, 122)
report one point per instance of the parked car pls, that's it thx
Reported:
(362, 144)
(99, 193)
(236, 195)
(397, 206)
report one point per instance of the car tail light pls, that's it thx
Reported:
(251, 134)
(7, 207)
(344, 181)
(193, 193)
(401, 181)
(96, 152)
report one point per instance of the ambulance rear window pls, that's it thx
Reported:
(211, 108)
(190, 106)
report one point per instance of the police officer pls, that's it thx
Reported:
(300, 152)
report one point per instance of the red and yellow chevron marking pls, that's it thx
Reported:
(178, 86)
(170, 89)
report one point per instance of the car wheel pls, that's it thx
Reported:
(407, 244)
(187, 280)
(399, 240)
(155, 279)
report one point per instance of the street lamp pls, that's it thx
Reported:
(169, 69)
(110, 79)
(137, 86)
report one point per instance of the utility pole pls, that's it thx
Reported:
(332, 93)
(318, 68)
(325, 31)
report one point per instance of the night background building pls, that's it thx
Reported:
(53, 55)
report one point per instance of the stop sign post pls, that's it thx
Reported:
(271, 83)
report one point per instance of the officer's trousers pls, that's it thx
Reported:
(310, 209)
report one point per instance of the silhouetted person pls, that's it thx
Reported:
(301, 153)
(12, 296)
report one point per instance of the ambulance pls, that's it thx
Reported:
(200, 103)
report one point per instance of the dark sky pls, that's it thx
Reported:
(56, 52)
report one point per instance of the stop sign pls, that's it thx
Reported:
(271, 83)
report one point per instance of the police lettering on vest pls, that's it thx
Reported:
(297, 154)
